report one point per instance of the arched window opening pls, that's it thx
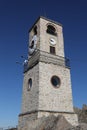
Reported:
(51, 30)
(29, 84)
(35, 30)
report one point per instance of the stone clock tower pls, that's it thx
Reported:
(47, 84)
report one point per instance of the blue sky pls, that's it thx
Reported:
(16, 17)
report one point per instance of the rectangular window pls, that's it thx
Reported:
(52, 50)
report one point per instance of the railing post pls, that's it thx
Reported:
(67, 62)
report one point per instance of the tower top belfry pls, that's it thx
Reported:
(48, 32)
(46, 36)
(47, 83)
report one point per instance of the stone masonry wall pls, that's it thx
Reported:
(45, 37)
(51, 98)
(43, 97)
(30, 97)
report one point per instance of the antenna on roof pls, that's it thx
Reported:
(45, 15)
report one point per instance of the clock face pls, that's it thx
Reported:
(32, 46)
(52, 41)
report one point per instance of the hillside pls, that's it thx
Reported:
(59, 122)
(82, 114)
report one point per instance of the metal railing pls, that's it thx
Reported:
(46, 57)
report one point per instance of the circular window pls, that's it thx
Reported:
(29, 84)
(55, 80)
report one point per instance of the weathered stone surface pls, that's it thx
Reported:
(41, 56)
(49, 123)
(43, 99)
(52, 123)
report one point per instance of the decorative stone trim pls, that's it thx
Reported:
(30, 112)
(41, 56)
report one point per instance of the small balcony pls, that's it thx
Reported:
(42, 56)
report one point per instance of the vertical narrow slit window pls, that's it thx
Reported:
(52, 50)
(29, 84)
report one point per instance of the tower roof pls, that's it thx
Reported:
(47, 19)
